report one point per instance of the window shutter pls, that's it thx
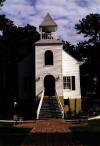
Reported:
(73, 82)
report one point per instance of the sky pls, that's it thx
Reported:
(66, 14)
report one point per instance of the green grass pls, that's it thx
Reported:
(10, 135)
(3, 124)
(90, 134)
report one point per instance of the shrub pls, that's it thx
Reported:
(69, 114)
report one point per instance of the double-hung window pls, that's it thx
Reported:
(69, 82)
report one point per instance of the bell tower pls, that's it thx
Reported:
(48, 58)
(48, 28)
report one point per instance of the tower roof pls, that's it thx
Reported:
(48, 21)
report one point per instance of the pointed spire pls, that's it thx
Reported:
(48, 21)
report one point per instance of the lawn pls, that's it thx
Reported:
(88, 135)
(10, 135)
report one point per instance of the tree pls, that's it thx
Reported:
(89, 53)
(19, 40)
(16, 43)
(1, 2)
(70, 49)
(90, 27)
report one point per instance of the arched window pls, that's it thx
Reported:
(48, 57)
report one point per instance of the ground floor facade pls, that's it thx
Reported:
(57, 74)
(53, 86)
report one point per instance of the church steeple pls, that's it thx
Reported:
(47, 27)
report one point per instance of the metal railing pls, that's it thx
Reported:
(40, 104)
(60, 105)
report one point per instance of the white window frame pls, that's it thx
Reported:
(66, 82)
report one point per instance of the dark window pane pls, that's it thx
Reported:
(64, 85)
(48, 57)
(68, 79)
(69, 85)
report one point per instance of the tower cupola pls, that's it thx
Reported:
(48, 27)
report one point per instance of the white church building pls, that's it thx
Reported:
(57, 75)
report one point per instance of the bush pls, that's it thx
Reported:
(69, 114)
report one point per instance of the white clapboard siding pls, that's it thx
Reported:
(70, 67)
(42, 70)
(64, 65)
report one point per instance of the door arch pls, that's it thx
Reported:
(49, 85)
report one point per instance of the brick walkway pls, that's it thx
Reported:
(49, 133)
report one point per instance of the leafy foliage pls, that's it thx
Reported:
(70, 49)
(89, 54)
(16, 41)
(89, 26)
(1, 2)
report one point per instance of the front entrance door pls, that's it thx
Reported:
(49, 85)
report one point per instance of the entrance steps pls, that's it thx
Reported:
(50, 109)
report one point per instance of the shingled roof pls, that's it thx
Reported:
(48, 21)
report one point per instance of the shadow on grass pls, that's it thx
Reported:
(88, 135)
(12, 136)
(51, 139)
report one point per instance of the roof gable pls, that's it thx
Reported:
(66, 55)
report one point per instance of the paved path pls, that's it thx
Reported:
(49, 133)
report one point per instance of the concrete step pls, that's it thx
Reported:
(50, 102)
(50, 106)
(49, 113)
(50, 116)
(46, 118)
(50, 109)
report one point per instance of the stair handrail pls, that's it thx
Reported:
(60, 105)
(40, 104)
